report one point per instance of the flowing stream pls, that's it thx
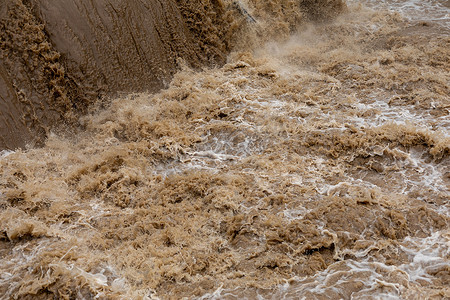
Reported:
(314, 165)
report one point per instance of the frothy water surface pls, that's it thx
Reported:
(313, 167)
(416, 10)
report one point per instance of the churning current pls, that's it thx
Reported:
(309, 162)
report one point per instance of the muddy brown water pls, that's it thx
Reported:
(309, 161)
(57, 58)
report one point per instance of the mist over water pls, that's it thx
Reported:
(313, 164)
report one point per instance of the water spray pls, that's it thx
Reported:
(240, 8)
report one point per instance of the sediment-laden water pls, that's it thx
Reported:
(313, 164)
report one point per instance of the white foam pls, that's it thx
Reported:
(295, 214)
(415, 10)
(379, 280)
(426, 254)
(5, 153)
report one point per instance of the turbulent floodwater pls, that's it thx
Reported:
(314, 164)
(57, 58)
